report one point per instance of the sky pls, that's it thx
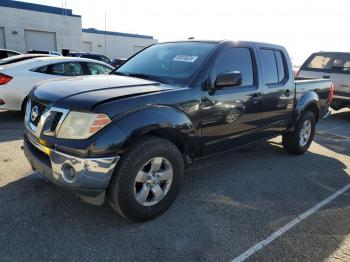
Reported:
(302, 26)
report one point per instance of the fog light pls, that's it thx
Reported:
(68, 173)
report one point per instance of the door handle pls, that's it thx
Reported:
(326, 77)
(287, 92)
(256, 97)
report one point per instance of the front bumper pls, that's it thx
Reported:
(88, 177)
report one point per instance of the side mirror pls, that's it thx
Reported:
(233, 78)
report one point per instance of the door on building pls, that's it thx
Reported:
(2, 38)
(138, 48)
(40, 40)
(87, 47)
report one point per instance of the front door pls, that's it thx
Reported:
(231, 116)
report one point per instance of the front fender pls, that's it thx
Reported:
(160, 118)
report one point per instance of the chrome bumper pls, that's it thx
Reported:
(89, 177)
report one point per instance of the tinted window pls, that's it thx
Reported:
(97, 69)
(269, 66)
(9, 54)
(173, 62)
(280, 65)
(235, 59)
(42, 69)
(331, 62)
(67, 69)
(3, 54)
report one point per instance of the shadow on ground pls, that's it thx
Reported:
(11, 126)
(227, 204)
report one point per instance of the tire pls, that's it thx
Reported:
(123, 192)
(292, 141)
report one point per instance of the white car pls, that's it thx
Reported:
(18, 78)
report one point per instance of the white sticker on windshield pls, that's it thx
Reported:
(185, 58)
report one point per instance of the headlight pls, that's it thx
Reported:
(78, 125)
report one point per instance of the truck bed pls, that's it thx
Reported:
(318, 85)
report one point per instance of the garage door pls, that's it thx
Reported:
(87, 47)
(2, 38)
(40, 40)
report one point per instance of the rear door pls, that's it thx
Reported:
(279, 91)
(331, 65)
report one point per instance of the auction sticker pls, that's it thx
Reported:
(185, 58)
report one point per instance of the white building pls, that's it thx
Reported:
(27, 26)
(114, 44)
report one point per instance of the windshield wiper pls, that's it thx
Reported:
(148, 77)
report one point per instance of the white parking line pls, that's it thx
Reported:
(288, 226)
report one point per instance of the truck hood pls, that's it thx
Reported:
(84, 93)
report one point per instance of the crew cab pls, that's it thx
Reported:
(127, 137)
(334, 66)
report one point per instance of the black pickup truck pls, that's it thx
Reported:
(127, 137)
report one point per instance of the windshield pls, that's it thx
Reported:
(169, 63)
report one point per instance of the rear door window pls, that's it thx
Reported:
(274, 66)
(269, 66)
(67, 69)
(328, 62)
(281, 67)
(98, 69)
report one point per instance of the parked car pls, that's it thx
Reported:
(97, 57)
(4, 53)
(53, 53)
(18, 78)
(127, 136)
(334, 66)
(19, 58)
(118, 62)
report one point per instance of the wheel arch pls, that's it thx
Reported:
(308, 102)
(163, 122)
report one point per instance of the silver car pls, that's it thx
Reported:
(334, 66)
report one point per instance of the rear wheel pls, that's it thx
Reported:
(299, 141)
(147, 179)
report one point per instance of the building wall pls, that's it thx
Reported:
(15, 21)
(117, 46)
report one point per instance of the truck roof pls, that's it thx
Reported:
(227, 41)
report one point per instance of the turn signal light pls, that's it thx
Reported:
(100, 121)
(4, 79)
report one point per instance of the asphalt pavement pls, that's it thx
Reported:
(228, 204)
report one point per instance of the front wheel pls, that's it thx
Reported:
(147, 179)
(299, 141)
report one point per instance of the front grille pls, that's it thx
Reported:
(35, 114)
(55, 121)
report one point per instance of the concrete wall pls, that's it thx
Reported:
(117, 46)
(16, 21)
